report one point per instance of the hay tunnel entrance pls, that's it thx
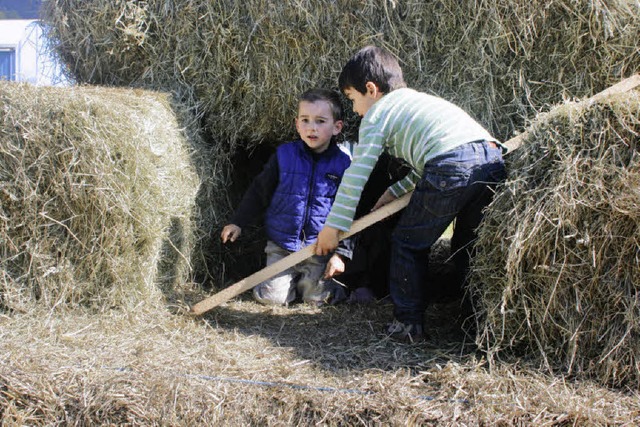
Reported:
(245, 256)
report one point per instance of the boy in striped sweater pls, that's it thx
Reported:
(455, 165)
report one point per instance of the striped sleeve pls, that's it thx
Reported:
(366, 156)
(406, 184)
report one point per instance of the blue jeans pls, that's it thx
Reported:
(456, 185)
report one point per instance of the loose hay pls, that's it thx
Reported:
(98, 190)
(254, 365)
(559, 257)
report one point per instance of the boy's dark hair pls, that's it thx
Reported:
(371, 64)
(330, 96)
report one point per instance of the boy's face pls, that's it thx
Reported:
(315, 124)
(362, 102)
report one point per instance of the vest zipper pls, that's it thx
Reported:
(303, 236)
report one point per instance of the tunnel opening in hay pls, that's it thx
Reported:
(558, 264)
(98, 187)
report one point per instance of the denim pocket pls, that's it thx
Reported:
(441, 189)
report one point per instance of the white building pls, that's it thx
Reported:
(24, 54)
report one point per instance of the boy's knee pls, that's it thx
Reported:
(270, 295)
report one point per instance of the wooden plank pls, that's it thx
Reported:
(624, 86)
(295, 258)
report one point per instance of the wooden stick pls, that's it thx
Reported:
(296, 257)
(624, 86)
(364, 222)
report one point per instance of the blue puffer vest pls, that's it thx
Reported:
(305, 193)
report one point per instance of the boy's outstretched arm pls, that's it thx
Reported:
(327, 240)
(254, 202)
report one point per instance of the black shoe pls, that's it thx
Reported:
(406, 332)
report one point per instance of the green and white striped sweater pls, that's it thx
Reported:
(413, 126)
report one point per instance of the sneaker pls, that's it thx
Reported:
(361, 295)
(338, 295)
(405, 332)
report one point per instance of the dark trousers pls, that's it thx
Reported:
(456, 185)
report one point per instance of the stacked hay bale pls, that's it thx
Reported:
(244, 63)
(97, 188)
(559, 250)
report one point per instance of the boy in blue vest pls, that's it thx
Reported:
(294, 192)
(455, 165)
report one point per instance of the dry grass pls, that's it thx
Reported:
(246, 364)
(558, 255)
(239, 66)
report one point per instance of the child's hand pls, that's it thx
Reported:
(335, 266)
(230, 232)
(387, 197)
(327, 240)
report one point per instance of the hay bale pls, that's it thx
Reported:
(558, 252)
(242, 64)
(98, 191)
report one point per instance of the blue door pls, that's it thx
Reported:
(7, 64)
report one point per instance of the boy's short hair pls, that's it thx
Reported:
(371, 64)
(330, 96)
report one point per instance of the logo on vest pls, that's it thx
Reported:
(332, 177)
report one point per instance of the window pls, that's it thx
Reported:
(7, 64)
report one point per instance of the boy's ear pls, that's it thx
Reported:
(373, 90)
(337, 127)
